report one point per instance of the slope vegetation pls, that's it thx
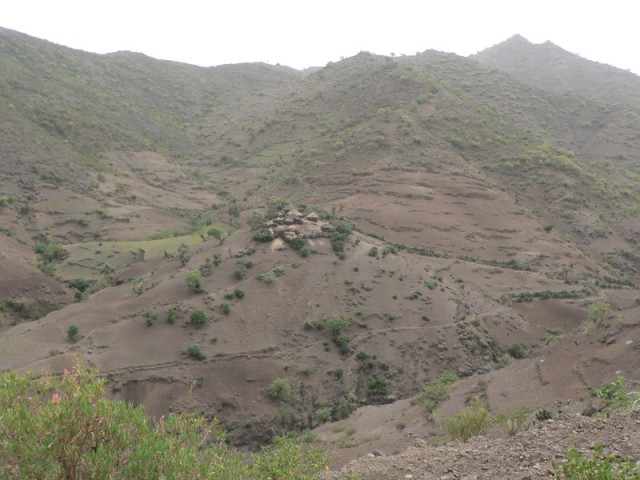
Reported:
(175, 216)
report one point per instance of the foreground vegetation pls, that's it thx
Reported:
(615, 397)
(64, 428)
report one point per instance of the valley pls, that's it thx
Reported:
(478, 223)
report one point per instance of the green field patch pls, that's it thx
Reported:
(86, 260)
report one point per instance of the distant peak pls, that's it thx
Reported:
(517, 38)
(516, 42)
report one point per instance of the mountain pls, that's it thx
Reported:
(76, 104)
(475, 225)
(548, 67)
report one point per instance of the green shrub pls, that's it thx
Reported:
(345, 407)
(241, 269)
(600, 466)
(543, 415)
(614, 396)
(285, 459)
(255, 219)
(378, 387)
(519, 351)
(73, 332)
(342, 230)
(139, 285)
(6, 200)
(279, 389)
(79, 284)
(338, 373)
(336, 325)
(226, 308)
(324, 414)
(515, 420)
(45, 417)
(468, 423)
(195, 352)
(389, 249)
(263, 235)
(240, 272)
(310, 437)
(297, 243)
(194, 281)
(434, 393)
(198, 318)
(373, 252)
(598, 312)
(362, 356)
(305, 370)
(50, 250)
(215, 232)
(150, 317)
(343, 343)
(172, 314)
(183, 254)
(267, 277)
(206, 268)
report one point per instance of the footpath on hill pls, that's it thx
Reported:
(525, 456)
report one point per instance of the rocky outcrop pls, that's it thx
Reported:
(529, 455)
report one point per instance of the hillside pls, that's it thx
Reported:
(358, 230)
(530, 455)
(548, 67)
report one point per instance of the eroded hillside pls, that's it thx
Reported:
(470, 216)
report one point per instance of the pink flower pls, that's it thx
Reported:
(66, 373)
(55, 399)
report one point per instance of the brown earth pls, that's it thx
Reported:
(526, 456)
(499, 213)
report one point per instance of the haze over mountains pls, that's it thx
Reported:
(495, 203)
(549, 67)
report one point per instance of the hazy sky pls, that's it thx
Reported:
(303, 33)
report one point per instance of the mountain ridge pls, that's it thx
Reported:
(469, 215)
(550, 67)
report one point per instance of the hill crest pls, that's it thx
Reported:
(552, 68)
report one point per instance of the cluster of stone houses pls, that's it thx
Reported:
(290, 223)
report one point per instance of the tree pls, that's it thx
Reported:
(73, 333)
(255, 219)
(336, 325)
(216, 233)
(194, 281)
(183, 254)
(279, 389)
(378, 387)
(198, 318)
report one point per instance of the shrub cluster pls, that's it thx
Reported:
(434, 393)
(66, 428)
(279, 389)
(342, 230)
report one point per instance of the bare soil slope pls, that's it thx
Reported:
(488, 217)
(526, 456)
